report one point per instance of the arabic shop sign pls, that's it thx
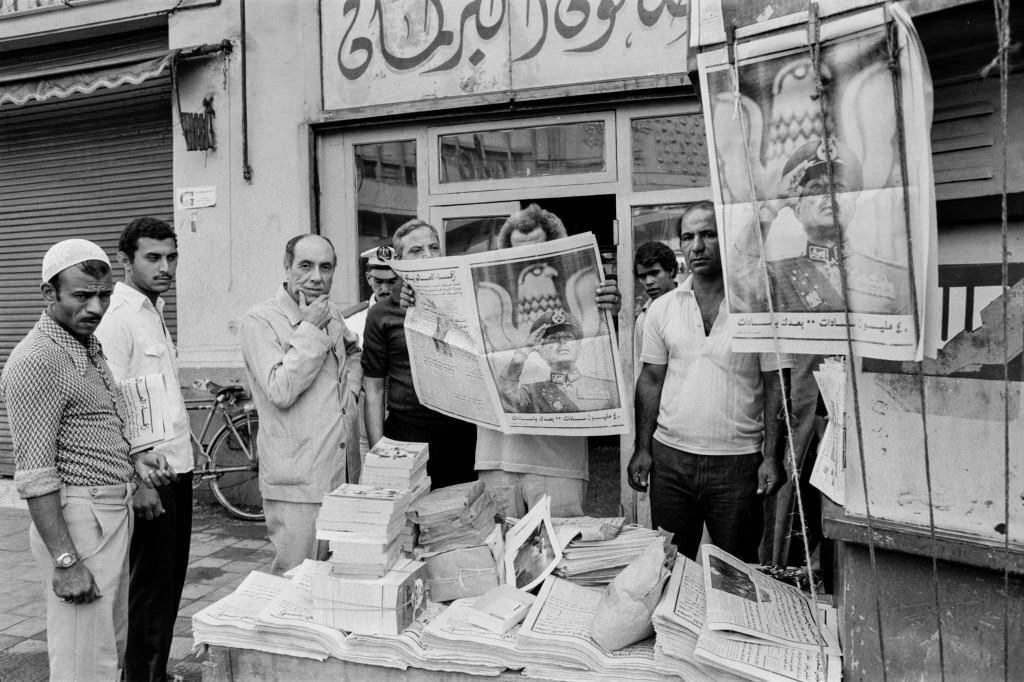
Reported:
(387, 51)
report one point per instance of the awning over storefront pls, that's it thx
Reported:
(87, 77)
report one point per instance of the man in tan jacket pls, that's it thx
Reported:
(303, 366)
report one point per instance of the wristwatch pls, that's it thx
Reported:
(66, 560)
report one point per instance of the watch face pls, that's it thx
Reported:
(66, 560)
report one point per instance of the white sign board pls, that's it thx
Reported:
(196, 197)
(389, 51)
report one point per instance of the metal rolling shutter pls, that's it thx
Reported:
(83, 167)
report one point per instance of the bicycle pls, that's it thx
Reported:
(229, 460)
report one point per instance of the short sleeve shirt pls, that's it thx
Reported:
(713, 398)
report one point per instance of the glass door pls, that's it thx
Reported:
(471, 228)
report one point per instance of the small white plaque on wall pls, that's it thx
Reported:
(196, 197)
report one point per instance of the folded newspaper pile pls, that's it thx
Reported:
(555, 641)
(678, 621)
(597, 562)
(724, 620)
(457, 516)
(363, 526)
(452, 637)
(396, 464)
(372, 606)
(250, 618)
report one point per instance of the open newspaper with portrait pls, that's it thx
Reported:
(763, 629)
(822, 181)
(146, 418)
(513, 339)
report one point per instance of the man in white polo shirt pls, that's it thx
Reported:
(705, 444)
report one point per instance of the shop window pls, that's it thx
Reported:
(669, 152)
(657, 223)
(385, 192)
(525, 152)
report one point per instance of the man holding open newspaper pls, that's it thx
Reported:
(137, 344)
(73, 465)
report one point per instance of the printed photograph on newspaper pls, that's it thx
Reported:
(513, 339)
(814, 217)
(551, 352)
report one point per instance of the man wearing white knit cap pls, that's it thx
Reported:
(72, 465)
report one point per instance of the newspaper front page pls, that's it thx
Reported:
(513, 340)
(743, 600)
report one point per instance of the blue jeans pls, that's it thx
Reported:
(689, 490)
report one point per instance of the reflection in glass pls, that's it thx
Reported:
(657, 223)
(385, 193)
(471, 235)
(558, 149)
(669, 152)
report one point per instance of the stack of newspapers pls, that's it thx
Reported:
(385, 605)
(597, 562)
(396, 464)
(457, 516)
(362, 525)
(555, 640)
(266, 613)
(724, 620)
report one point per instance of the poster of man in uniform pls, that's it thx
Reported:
(822, 179)
(513, 340)
(548, 347)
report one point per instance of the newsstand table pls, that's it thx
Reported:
(226, 664)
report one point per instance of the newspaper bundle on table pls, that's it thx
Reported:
(556, 642)
(363, 525)
(146, 418)
(597, 562)
(396, 464)
(513, 340)
(763, 629)
(236, 621)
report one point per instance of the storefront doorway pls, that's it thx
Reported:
(625, 173)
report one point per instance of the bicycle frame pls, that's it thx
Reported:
(215, 407)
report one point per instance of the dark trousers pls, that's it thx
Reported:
(689, 490)
(452, 445)
(159, 561)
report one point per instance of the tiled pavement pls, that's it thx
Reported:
(224, 550)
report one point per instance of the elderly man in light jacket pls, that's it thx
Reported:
(304, 369)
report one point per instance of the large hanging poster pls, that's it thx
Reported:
(825, 216)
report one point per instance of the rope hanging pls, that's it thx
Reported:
(814, 49)
(894, 49)
(1002, 20)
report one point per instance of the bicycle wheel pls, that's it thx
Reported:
(235, 465)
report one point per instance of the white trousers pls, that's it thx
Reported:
(87, 641)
